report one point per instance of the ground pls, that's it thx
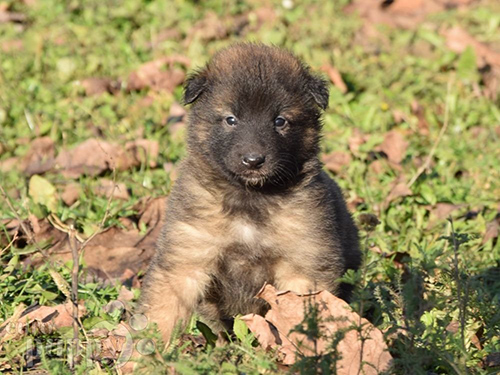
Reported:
(91, 131)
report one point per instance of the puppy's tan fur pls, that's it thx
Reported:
(223, 240)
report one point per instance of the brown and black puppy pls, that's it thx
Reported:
(252, 204)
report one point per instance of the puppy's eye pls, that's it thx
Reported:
(230, 120)
(280, 122)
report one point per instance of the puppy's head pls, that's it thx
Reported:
(256, 114)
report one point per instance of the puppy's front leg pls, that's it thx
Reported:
(169, 297)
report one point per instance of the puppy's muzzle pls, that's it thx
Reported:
(253, 160)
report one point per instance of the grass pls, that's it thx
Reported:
(422, 276)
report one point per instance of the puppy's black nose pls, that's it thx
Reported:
(253, 161)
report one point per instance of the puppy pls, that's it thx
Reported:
(251, 204)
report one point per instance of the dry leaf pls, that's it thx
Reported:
(287, 311)
(45, 319)
(457, 39)
(171, 169)
(176, 113)
(151, 211)
(9, 164)
(491, 80)
(378, 167)
(92, 157)
(71, 193)
(155, 75)
(492, 230)
(109, 188)
(40, 157)
(14, 45)
(353, 202)
(6, 16)
(97, 86)
(118, 253)
(336, 160)
(406, 14)
(442, 210)
(144, 150)
(394, 146)
(209, 28)
(265, 332)
(169, 34)
(419, 112)
(335, 77)
(399, 189)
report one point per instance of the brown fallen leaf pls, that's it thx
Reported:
(92, 157)
(144, 151)
(454, 326)
(211, 27)
(419, 112)
(399, 116)
(370, 356)
(171, 169)
(406, 14)
(492, 230)
(457, 39)
(394, 146)
(442, 210)
(43, 232)
(252, 21)
(399, 189)
(176, 113)
(10, 328)
(100, 85)
(378, 167)
(45, 319)
(9, 164)
(335, 77)
(40, 158)
(265, 332)
(353, 202)
(107, 188)
(156, 76)
(115, 251)
(491, 81)
(169, 34)
(151, 211)
(7, 16)
(13, 45)
(177, 130)
(71, 193)
(129, 278)
(335, 161)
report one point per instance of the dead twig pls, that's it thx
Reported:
(14, 238)
(428, 160)
(26, 230)
(462, 297)
(75, 254)
(74, 299)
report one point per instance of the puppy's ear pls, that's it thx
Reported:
(319, 91)
(194, 86)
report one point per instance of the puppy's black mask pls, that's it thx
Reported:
(256, 115)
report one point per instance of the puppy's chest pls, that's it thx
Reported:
(245, 233)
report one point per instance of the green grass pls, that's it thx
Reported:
(433, 276)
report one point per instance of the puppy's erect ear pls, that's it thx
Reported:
(194, 86)
(319, 90)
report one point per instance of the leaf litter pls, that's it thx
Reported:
(163, 75)
(361, 349)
